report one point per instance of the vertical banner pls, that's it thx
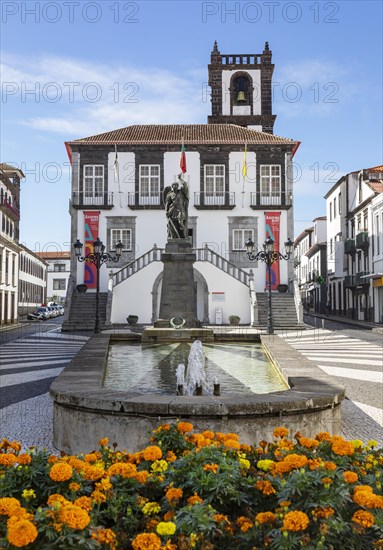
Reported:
(90, 235)
(273, 230)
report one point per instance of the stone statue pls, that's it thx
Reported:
(176, 199)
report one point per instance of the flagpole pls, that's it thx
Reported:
(244, 174)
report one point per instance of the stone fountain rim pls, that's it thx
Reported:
(79, 386)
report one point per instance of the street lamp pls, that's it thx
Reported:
(269, 256)
(98, 257)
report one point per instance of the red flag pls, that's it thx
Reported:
(183, 159)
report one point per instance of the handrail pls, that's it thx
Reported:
(207, 255)
(153, 255)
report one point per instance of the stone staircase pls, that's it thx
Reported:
(82, 314)
(284, 313)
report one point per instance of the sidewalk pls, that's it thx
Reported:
(366, 325)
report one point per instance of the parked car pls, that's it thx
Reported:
(42, 311)
(52, 311)
(36, 316)
(61, 309)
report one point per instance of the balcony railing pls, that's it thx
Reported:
(141, 200)
(349, 281)
(10, 209)
(269, 199)
(214, 200)
(361, 280)
(362, 240)
(98, 199)
(349, 246)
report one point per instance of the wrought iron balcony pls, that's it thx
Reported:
(100, 200)
(9, 209)
(349, 246)
(258, 199)
(214, 201)
(362, 240)
(361, 280)
(349, 281)
(145, 200)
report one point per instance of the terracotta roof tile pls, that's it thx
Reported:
(7, 168)
(376, 186)
(65, 255)
(376, 169)
(192, 134)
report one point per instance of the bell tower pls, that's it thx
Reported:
(241, 89)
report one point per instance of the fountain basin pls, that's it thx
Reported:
(85, 411)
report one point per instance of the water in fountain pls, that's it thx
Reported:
(195, 373)
(180, 376)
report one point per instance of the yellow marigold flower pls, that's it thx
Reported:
(91, 457)
(24, 459)
(98, 496)
(152, 453)
(73, 516)
(323, 512)
(123, 469)
(194, 499)
(105, 537)
(211, 468)
(330, 466)
(55, 498)
(159, 466)
(295, 521)
(231, 444)
(21, 533)
(308, 443)
(356, 443)
(151, 508)
(245, 464)
(265, 464)
(266, 517)
(7, 459)
(280, 432)
(244, 524)
(184, 427)
(61, 471)
(166, 528)
(208, 434)
(342, 448)
(74, 486)
(323, 436)
(174, 494)
(146, 541)
(372, 443)
(103, 442)
(366, 519)
(350, 477)
(84, 502)
(265, 487)
(28, 493)
(8, 505)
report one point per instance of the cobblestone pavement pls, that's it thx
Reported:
(355, 359)
(28, 366)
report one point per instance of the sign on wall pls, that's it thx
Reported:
(273, 231)
(217, 296)
(91, 220)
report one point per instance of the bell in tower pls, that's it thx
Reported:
(241, 89)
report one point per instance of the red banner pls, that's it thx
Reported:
(273, 230)
(90, 235)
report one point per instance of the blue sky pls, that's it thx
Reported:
(98, 66)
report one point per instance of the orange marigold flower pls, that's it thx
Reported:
(84, 502)
(323, 512)
(280, 432)
(174, 494)
(74, 516)
(184, 427)
(232, 436)
(330, 466)
(74, 486)
(308, 443)
(220, 436)
(244, 523)
(266, 517)
(152, 453)
(232, 444)
(52, 459)
(350, 477)
(366, 519)
(323, 436)
(141, 476)
(105, 537)
(326, 480)
(295, 521)
(265, 487)
(169, 515)
(170, 456)
(314, 463)
(7, 459)
(123, 469)
(286, 444)
(146, 541)
(208, 434)
(24, 459)
(15, 445)
(8, 505)
(219, 518)
(246, 448)
(77, 464)
(56, 497)
(98, 496)
(342, 448)
(194, 499)
(103, 442)
(61, 471)
(93, 472)
(211, 468)
(21, 533)
(91, 457)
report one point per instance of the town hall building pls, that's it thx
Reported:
(238, 174)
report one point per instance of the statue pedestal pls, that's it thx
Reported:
(179, 292)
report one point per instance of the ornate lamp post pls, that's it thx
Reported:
(269, 256)
(98, 257)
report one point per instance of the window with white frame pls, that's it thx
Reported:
(123, 235)
(270, 184)
(149, 184)
(93, 184)
(59, 284)
(59, 267)
(240, 238)
(214, 184)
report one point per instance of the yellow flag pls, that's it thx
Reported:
(244, 167)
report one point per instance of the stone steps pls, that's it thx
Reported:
(82, 314)
(284, 314)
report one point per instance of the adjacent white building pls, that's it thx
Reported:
(58, 272)
(32, 281)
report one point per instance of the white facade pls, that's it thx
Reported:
(377, 256)
(58, 272)
(32, 281)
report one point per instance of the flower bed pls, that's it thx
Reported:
(195, 490)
